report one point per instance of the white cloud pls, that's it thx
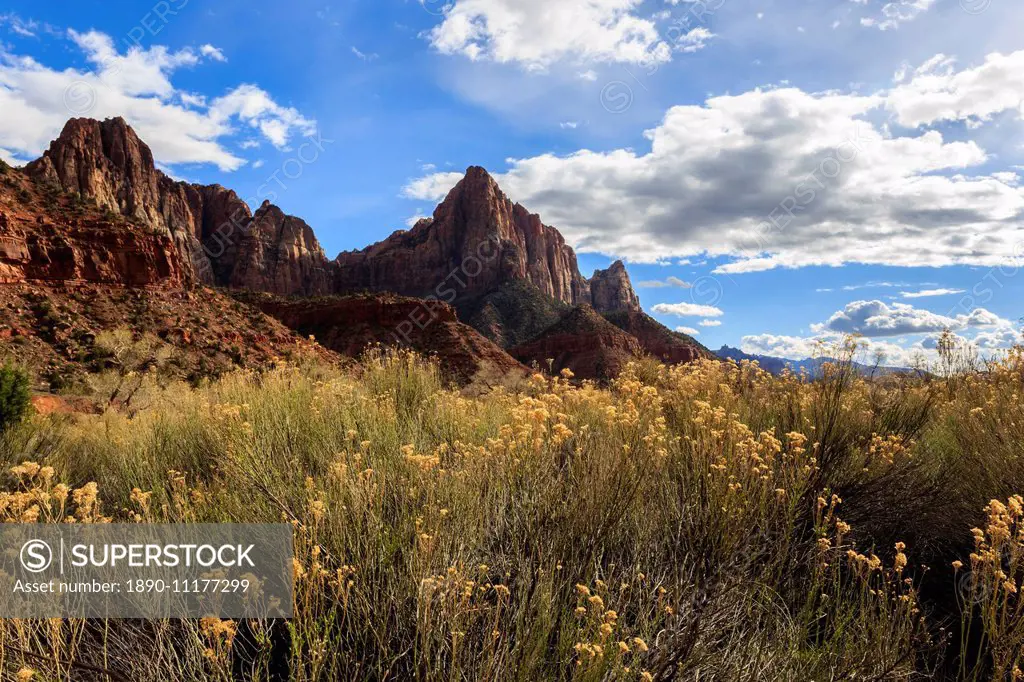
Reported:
(693, 40)
(790, 347)
(896, 13)
(258, 163)
(710, 323)
(687, 310)
(366, 57)
(877, 285)
(255, 106)
(784, 178)
(213, 53)
(413, 219)
(180, 127)
(432, 187)
(688, 330)
(137, 72)
(571, 125)
(925, 293)
(997, 339)
(190, 99)
(922, 353)
(22, 27)
(663, 283)
(830, 346)
(938, 92)
(537, 33)
(879, 319)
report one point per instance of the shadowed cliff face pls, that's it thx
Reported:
(656, 339)
(279, 253)
(584, 343)
(350, 325)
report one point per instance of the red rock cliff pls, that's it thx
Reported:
(477, 240)
(49, 236)
(211, 227)
(279, 253)
(611, 290)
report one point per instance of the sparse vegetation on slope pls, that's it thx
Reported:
(514, 313)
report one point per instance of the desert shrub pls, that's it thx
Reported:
(989, 585)
(15, 402)
(705, 521)
(131, 366)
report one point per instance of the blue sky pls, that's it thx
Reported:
(798, 168)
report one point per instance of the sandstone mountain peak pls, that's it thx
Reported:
(218, 238)
(478, 231)
(612, 291)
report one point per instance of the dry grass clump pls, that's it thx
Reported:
(705, 521)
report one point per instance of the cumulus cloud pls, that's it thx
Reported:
(688, 330)
(938, 92)
(921, 353)
(711, 323)
(786, 178)
(868, 351)
(433, 187)
(181, 127)
(663, 283)
(782, 346)
(537, 33)
(879, 319)
(256, 107)
(687, 310)
(997, 339)
(213, 53)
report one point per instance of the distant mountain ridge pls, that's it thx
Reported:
(812, 366)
